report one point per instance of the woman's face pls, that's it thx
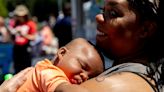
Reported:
(118, 29)
(21, 19)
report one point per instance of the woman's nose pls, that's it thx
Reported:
(100, 18)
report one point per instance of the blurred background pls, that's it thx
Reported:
(53, 22)
(83, 12)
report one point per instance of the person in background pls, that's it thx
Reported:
(49, 41)
(5, 49)
(63, 28)
(4, 32)
(74, 63)
(23, 32)
(45, 45)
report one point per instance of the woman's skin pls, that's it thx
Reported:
(120, 32)
(14, 83)
(119, 82)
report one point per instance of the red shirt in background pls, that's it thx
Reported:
(24, 29)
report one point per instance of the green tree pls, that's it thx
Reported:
(3, 9)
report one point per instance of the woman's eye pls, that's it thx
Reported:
(110, 14)
(113, 14)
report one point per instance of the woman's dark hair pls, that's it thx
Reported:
(147, 9)
(151, 10)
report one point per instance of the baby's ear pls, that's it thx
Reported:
(61, 52)
(59, 56)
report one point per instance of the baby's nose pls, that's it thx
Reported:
(84, 76)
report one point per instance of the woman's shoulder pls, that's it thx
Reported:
(119, 82)
(129, 82)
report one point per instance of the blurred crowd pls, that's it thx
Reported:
(24, 40)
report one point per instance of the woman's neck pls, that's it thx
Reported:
(136, 58)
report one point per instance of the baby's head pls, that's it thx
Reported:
(79, 60)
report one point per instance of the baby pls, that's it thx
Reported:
(73, 64)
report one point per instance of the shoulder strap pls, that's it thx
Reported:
(136, 68)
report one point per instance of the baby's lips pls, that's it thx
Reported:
(73, 81)
(80, 81)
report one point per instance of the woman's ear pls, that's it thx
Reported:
(148, 29)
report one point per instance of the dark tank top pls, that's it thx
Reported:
(136, 68)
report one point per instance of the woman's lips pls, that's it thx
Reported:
(100, 33)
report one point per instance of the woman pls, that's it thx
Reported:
(130, 34)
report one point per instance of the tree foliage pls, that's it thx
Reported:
(3, 9)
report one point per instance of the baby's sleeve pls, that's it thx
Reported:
(51, 78)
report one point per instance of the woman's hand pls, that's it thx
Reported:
(14, 83)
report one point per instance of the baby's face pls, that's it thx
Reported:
(81, 64)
